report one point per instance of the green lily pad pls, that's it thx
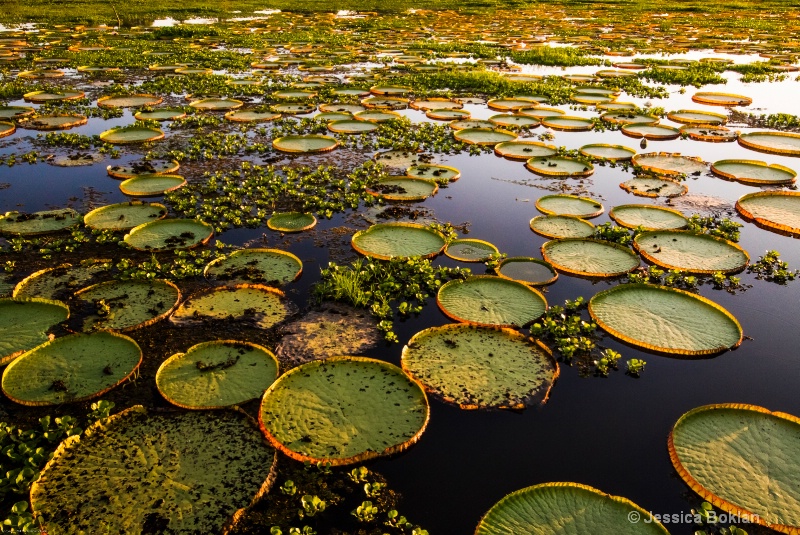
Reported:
(433, 172)
(589, 258)
(254, 304)
(754, 172)
(654, 187)
(376, 116)
(519, 121)
(401, 159)
(655, 132)
(603, 151)
(15, 112)
(62, 281)
(648, 217)
(710, 133)
(541, 113)
(217, 374)
(628, 117)
(343, 410)
(63, 121)
(24, 322)
(527, 270)
(666, 320)
(491, 301)
(124, 215)
(216, 104)
(721, 99)
(561, 226)
(352, 126)
(143, 168)
(149, 470)
(743, 459)
(151, 185)
(126, 135)
(129, 101)
(291, 222)
(524, 150)
(568, 123)
(775, 210)
(480, 367)
(404, 188)
(569, 205)
(169, 234)
(71, 368)
(560, 166)
(251, 116)
(45, 222)
(697, 117)
(785, 143)
(566, 509)
(47, 96)
(260, 266)
(483, 136)
(159, 115)
(470, 123)
(127, 305)
(305, 144)
(669, 164)
(398, 240)
(470, 250)
(687, 251)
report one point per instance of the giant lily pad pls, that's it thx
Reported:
(261, 266)
(480, 367)
(697, 117)
(127, 305)
(54, 96)
(655, 132)
(491, 301)
(129, 101)
(560, 166)
(754, 172)
(654, 187)
(785, 143)
(665, 319)
(151, 185)
(776, 210)
(401, 159)
(62, 121)
(15, 112)
(666, 163)
(648, 217)
(484, 136)
(524, 150)
(687, 251)
(709, 133)
(124, 215)
(168, 234)
(603, 151)
(527, 270)
(568, 123)
(19, 224)
(164, 114)
(127, 135)
(216, 104)
(743, 459)
(343, 410)
(470, 250)
(186, 472)
(305, 144)
(291, 222)
(254, 304)
(62, 281)
(566, 509)
(24, 323)
(71, 368)
(352, 126)
(721, 99)
(569, 205)
(589, 258)
(218, 374)
(434, 172)
(390, 240)
(404, 188)
(561, 226)
(142, 168)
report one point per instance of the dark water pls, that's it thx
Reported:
(608, 433)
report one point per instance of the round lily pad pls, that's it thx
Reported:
(697, 117)
(15, 112)
(129, 101)
(216, 104)
(332, 116)
(519, 121)
(45, 222)
(561, 226)
(62, 281)
(341, 108)
(398, 240)
(434, 172)
(731, 452)
(785, 143)
(24, 322)
(628, 117)
(124, 216)
(542, 113)
(560, 166)
(376, 116)
(526, 270)
(384, 103)
(470, 250)
(589, 258)
(305, 144)
(159, 115)
(389, 90)
(291, 222)
(666, 320)
(352, 127)
(470, 123)
(401, 159)
(435, 104)
(654, 187)
(48, 96)
(721, 99)
(775, 210)
(648, 217)
(484, 136)
(754, 172)
(143, 168)
(151, 185)
(71, 368)
(603, 151)
(569, 205)
(655, 132)
(404, 188)
(343, 410)
(180, 472)
(568, 123)
(127, 305)
(710, 133)
(168, 234)
(260, 266)
(566, 509)
(131, 134)
(294, 109)
(53, 122)
(218, 374)
(687, 251)
(524, 150)
(448, 115)
(251, 116)
(255, 304)
(507, 104)
(492, 301)
(665, 163)
(480, 367)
